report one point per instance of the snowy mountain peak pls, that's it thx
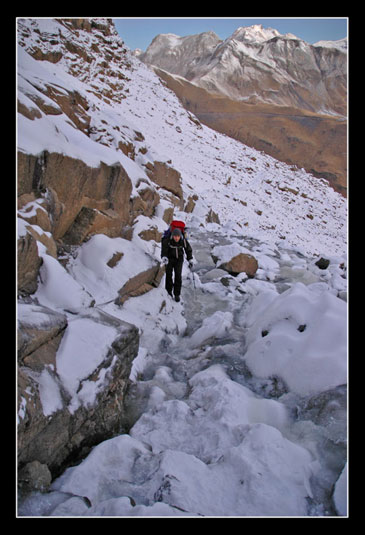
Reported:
(179, 48)
(257, 63)
(256, 33)
(341, 44)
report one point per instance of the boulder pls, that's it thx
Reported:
(57, 426)
(140, 284)
(241, 263)
(322, 263)
(40, 331)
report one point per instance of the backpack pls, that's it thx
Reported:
(175, 224)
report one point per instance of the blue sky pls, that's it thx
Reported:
(139, 32)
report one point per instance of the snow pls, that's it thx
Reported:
(91, 271)
(205, 441)
(168, 134)
(223, 380)
(340, 493)
(306, 339)
(83, 348)
(49, 393)
(59, 290)
(341, 44)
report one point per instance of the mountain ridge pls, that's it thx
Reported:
(257, 70)
(256, 54)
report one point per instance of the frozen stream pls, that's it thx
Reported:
(240, 410)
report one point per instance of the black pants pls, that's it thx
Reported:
(174, 267)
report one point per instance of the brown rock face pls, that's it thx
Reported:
(78, 188)
(167, 178)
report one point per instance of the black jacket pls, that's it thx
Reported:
(175, 251)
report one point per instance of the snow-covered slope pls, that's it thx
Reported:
(252, 191)
(237, 405)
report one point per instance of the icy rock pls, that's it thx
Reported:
(264, 474)
(77, 400)
(38, 327)
(215, 326)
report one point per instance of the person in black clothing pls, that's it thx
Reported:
(172, 254)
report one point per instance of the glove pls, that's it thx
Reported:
(164, 260)
(191, 263)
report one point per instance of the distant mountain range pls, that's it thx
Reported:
(258, 65)
(239, 85)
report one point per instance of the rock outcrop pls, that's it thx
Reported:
(28, 264)
(141, 283)
(86, 200)
(167, 178)
(58, 424)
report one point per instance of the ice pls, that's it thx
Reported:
(229, 413)
(216, 326)
(340, 493)
(264, 475)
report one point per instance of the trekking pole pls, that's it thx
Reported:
(192, 272)
(193, 279)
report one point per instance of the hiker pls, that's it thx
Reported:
(173, 245)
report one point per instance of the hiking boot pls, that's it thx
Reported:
(177, 298)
